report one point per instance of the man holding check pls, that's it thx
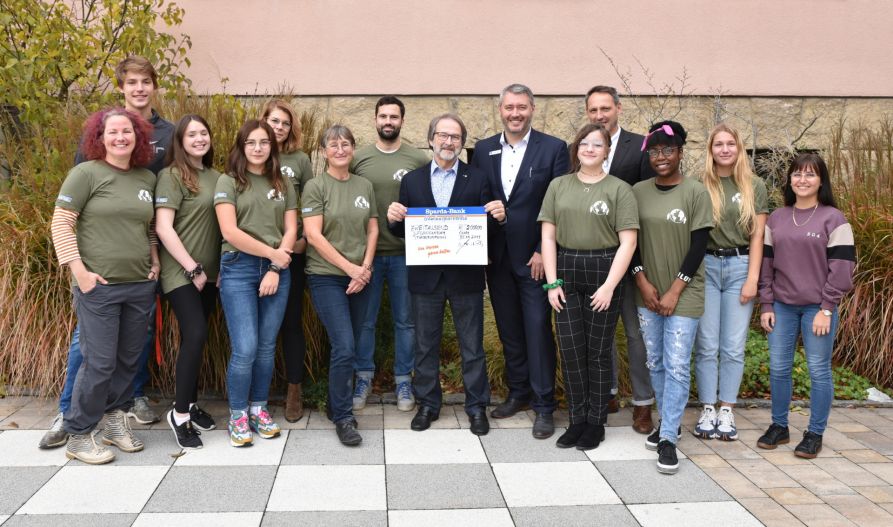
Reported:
(447, 182)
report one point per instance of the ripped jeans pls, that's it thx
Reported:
(668, 343)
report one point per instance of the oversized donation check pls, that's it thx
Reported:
(446, 236)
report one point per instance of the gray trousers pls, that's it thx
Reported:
(640, 377)
(468, 318)
(113, 321)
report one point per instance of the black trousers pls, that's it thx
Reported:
(524, 320)
(585, 336)
(193, 309)
(294, 345)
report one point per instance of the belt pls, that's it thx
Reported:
(734, 251)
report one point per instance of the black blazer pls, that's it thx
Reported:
(545, 159)
(630, 164)
(470, 190)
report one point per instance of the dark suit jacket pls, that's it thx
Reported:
(470, 190)
(630, 164)
(545, 159)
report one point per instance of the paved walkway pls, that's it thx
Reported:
(447, 476)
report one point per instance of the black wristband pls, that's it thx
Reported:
(274, 268)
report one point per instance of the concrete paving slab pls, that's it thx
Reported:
(213, 489)
(321, 447)
(459, 486)
(640, 482)
(553, 484)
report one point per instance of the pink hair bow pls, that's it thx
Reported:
(666, 129)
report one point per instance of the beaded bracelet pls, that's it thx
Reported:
(553, 285)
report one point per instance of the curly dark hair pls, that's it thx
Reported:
(94, 127)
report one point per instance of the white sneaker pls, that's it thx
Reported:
(405, 399)
(706, 428)
(725, 424)
(361, 391)
(56, 436)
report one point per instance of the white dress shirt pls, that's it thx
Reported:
(511, 161)
(606, 166)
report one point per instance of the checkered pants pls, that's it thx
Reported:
(584, 335)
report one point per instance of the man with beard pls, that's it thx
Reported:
(384, 164)
(520, 163)
(450, 182)
(628, 162)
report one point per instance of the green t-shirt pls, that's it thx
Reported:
(114, 213)
(260, 210)
(386, 170)
(297, 168)
(728, 234)
(346, 207)
(588, 216)
(667, 219)
(195, 223)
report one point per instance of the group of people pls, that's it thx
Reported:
(605, 229)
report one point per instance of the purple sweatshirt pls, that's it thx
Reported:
(809, 264)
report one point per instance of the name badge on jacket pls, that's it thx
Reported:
(495, 152)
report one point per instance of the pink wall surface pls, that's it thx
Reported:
(472, 47)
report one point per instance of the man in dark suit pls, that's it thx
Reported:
(520, 163)
(447, 181)
(628, 162)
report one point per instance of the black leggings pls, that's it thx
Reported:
(193, 309)
(294, 346)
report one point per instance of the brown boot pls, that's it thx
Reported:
(642, 419)
(613, 405)
(294, 405)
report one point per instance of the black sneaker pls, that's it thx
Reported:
(569, 438)
(654, 437)
(201, 419)
(810, 446)
(347, 433)
(774, 436)
(186, 435)
(667, 462)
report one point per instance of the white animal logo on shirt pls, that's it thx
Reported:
(599, 208)
(737, 198)
(288, 172)
(676, 216)
(275, 195)
(361, 203)
(398, 175)
(144, 195)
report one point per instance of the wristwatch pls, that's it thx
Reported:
(827, 312)
(275, 268)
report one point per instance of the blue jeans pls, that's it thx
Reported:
(75, 358)
(722, 332)
(390, 269)
(253, 322)
(342, 315)
(668, 342)
(791, 321)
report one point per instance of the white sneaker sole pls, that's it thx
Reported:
(89, 459)
(667, 469)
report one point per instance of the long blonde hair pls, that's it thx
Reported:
(742, 175)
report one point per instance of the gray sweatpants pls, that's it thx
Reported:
(639, 375)
(113, 321)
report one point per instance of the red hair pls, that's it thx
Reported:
(93, 147)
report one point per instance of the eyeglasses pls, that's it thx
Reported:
(252, 144)
(447, 138)
(276, 122)
(343, 146)
(597, 146)
(803, 175)
(667, 151)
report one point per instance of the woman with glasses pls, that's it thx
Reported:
(589, 223)
(675, 218)
(295, 165)
(257, 212)
(340, 222)
(190, 262)
(808, 262)
(732, 270)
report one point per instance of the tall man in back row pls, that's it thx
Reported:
(520, 163)
(628, 162)
(384, 164)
